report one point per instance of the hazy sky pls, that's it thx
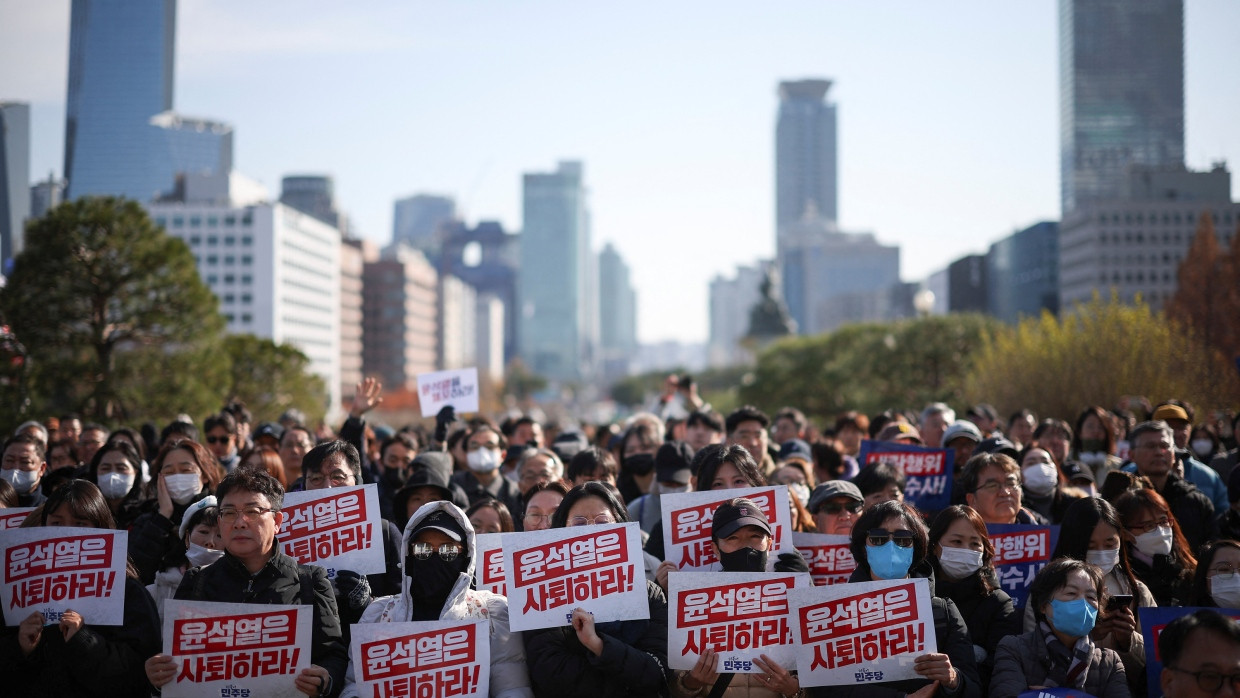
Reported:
(948, 113)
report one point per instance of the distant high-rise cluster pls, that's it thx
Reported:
(14, 176)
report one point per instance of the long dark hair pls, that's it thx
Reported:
(593, 488)
(874, 518)
(132, 457)
(706, 464)
(1078, 524)
(1200, 594)
(1131, 503)
(85, 501)
(1104, 420)
(944, 521)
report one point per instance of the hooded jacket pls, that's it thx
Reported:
(509, 678)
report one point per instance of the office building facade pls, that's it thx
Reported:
(731, 300)
(311, 194)
(14, 178)
(806, 159)
(617, 314)
(416, 219)
(1022, 271)
(400, 318)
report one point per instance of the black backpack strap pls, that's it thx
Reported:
(721, 685)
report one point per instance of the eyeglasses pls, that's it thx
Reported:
(1150, 525)
(877, 537)
(1224, 568)
(599, 520)
(20, 464)
(218, 439)
(337, 477)
(1211, 681)
(229, 516)
(447, 552)
(837, 508)
(993, 487)
(538, 518)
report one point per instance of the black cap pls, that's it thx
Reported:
(672, 461)
(271, 429)
(425, 477)
(437, 461)
(795, 448)
(1075, 470)
(830, 490)
(998, 444)
(569, 444)
(441, 521)
(731, 516)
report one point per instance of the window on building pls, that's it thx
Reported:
(212, 240)
(247, 298)
(230, 298)
(246, 279)
(230, 220)
(247, 240)
(247, 218)
(178, 222)
(230, 239)
(229, 278)
(247, 318)
(246, 260)
(161, 222)
(212, 259)
(230, 259)
(212, 279)
(195, 240)
(228, 317)
(213, 221)
(195, 221)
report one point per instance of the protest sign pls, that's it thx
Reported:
(598, 568)
(13, 517)
(235, 649)
(687, 518)
(738, 615)
(1056, 693)
(829, 559)
(54, 569)
(428, 658)
(337, 528)
(1153, 621)
(489, 572)
(458, 388)
(927, 471)
(866, 632)
(1021, 551)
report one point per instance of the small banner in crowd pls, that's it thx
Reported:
(55, 569)
(13, 517)
(738, 615)
(829, 559)
(867, 632)
(687, 518)
(489, 563)
(1153, 621)
(337, 528)
(598, 568)
(1021, 551)
(1056, 693)
(425, 658)
(927, 471)
(458, 388)
(235, 649)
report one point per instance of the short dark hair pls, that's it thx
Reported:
(222, 419)
(178, 429)
(205, 516)
(853, 419)
(403, 438)
(83, 499)
(95, 426)
(593, 488)
(746, 413)
(1058, 424)
(129, 435)
(589, 461)
(255, 481)
(313, 461)
(874, 518)
(239, 411)
(877, 477)
(25, 438)
(1104, 420)
(972, 471)
(1174, 637)
(707, 462)
(708, 419)
(501, 510)
(1055, 575)
(797, 416)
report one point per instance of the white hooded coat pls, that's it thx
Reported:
(509, 676)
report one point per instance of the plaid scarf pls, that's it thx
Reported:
(1069, 667)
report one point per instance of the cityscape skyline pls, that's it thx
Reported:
(684, 194)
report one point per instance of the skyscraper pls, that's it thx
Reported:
(14, 177)
(557, 283)
(121, 136)
(1121, 87)
(416, 218)
(805, 153)
(312, 194)
(617, 314)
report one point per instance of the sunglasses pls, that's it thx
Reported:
(837, 508)
(447, 552)
(879, 536)
(218, 439)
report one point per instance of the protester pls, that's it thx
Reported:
(1201, 655)
(1153, 456)
(1216, 582)
(1093, 442)
(116, 470)
(962, 438)
(672, 475)
(184, 472)
(880, 482)
(1044, 485)
(794, 467)
(1065, 596)
(835, 506)
(747, 427)
(934, 421)
(1157, 549)
(537, 465)
(200, 533)
(481, 480)
(641, 440)
(1055, 437)
(490, 516)
(703, 429)
(1020, 428)
(592, 463)
(266, 459)
(24, 466)
(8, 495)
(992, 485)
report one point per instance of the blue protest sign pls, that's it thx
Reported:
(1021, 550)
(1153, 620)
(928, 471)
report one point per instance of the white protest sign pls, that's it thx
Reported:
(829, 559)
(235, 649)
(13, 517)
(337, 528)
(865, 632)
(458, 388)
(489, 572)
(427, 658)
(687, 517)
(738, 615)
(598, 568)
(54, 569)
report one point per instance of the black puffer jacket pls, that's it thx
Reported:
(155, 541)
(990, 616)
(98, 662)
(1192, 509)
(633, 663)
(1166, 577)
(280, 581)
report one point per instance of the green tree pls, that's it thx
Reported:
(98, 285)
(272, 377)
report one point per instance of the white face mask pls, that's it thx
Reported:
(800, 491)
(671, 489)
(1225, 590)
(958, 563)
(1106, 560)
(1040, 478)
(182, 488)
(22, 480)
(199, 556)
(1156, 542)
(1202, 447)
(1094, 458)
(484, 460)
(115, 485)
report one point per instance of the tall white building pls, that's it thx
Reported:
(458, 335)
(731, 299)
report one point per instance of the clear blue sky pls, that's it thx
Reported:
(948, 113)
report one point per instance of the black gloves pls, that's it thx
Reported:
(443, 420)
(353, 589)
(791, 562)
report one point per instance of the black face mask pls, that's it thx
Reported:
(744, 560)
(640, 464)
(395, 478)
(432, 579)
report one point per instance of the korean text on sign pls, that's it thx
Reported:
(489, 569)
(927, 471)
(51, 570)
(828, 556)
(336, 528)
(599, 568)
(1021, 551)
(437, 658)
(738, 615)
(13, 517)
(458, 388)
(862, 633)
(687, 521)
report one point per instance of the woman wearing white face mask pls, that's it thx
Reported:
(116, 470)
(1045, 490)
(200, 533)
(1158, 552)
(183, 473)
(1217, 582)
(964, 572)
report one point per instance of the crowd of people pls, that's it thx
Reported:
(1148, 505)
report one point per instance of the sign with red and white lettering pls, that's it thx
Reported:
(927, 471)
(865, 632)
(54, 569)
(738, 615)
(597, 568)
(458, 388)
(337, 528)
(1021, 551)
(424, 658)
(13, 517)
(829, 559)
(489, 572)
(687, 519)
(235, 649)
